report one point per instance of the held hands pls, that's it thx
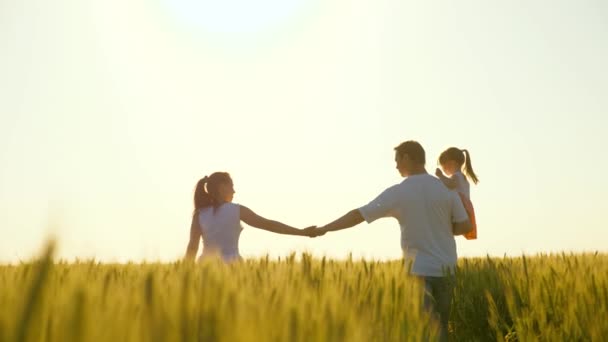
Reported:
(313, 231)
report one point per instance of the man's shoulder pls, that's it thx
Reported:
(391, 190)
(427, 184)
(421, 179)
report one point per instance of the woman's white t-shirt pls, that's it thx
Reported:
(221, 229)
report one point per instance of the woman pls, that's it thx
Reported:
(218, 221)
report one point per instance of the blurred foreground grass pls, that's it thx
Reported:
(545, 297)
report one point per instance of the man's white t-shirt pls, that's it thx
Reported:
(425, 209)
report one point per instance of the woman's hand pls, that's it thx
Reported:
(313, 231)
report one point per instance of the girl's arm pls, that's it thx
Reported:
(449, 182)
(257, 221)
(195, 238)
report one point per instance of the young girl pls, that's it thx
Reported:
(453, 161)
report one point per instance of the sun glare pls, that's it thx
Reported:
(234, 16)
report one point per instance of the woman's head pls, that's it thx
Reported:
(213, 191)
(454, 159)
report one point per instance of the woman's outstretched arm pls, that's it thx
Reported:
(257, 221)
(195, 239)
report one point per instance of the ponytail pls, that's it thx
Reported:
(462, 158)
(201, 197)
(468, 167)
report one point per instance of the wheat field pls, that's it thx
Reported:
(558, 297)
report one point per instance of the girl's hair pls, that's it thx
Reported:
(206, 191)
(462, 158)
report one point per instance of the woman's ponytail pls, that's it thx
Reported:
(201, 197)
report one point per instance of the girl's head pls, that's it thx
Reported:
(213, 191)
(454, 159)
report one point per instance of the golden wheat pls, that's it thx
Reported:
(299, 298)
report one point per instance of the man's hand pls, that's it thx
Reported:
(313, 231)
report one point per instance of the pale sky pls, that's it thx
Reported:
(110, 111)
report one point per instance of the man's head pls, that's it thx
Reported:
(410, 157)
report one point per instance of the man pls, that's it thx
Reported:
(429, 216)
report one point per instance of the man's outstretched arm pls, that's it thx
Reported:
(350, 219)
(381, 206)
